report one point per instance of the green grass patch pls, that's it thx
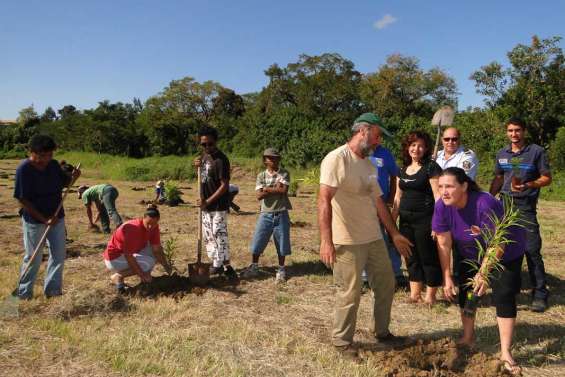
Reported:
(556, 190)
(107, 166)
(123, 168)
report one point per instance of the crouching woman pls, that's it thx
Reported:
(459, 216)
(133, 249)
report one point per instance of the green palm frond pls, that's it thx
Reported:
(493, 238)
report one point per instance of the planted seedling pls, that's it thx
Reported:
(170, 251)
(172, 194)
(516, 174)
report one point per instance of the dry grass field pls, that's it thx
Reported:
(254, 329)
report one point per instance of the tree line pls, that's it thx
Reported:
(307, 108)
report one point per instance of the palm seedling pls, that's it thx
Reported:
(170, 251)
(491, 241)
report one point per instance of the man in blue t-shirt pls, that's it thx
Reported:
(520, 171)
(387, 170)
(38, 188)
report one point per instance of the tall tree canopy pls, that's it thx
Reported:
(532, 87)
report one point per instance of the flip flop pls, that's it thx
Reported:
(513, 368)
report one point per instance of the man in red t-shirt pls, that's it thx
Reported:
(133, 248)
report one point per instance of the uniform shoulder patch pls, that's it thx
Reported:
(466, 165)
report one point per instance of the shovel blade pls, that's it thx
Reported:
(199, 273)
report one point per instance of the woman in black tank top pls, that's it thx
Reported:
(416, 194)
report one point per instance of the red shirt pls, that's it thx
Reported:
(130, 238)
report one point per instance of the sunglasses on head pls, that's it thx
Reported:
(450, 138)
(204, 145)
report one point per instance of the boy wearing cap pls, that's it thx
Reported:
(272, 190)
(160, 192)
(104, 197)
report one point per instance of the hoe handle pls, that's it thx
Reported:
(436, 146)
(199, 248)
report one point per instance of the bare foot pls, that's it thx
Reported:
(466, 343)
(415, 300)
(429, 301)
(512, 367)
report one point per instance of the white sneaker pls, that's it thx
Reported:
(281, 276)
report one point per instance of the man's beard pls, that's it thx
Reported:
(366, 148)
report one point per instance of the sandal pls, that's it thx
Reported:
(513, 368)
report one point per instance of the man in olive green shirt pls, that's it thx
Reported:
(104, 197)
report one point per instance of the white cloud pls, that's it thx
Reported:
(386, 20)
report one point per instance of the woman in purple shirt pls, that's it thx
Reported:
(458, 217)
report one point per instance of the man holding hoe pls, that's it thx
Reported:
(38, 188)
(215, 202)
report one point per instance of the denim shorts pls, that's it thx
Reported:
(276, 224)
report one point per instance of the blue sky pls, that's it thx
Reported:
(54, 53)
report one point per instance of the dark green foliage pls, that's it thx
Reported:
(557, 150)
(533, 87)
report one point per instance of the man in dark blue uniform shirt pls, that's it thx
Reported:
(520, 171)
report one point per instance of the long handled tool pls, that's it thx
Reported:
(199, 273)
(442, 118)
(41, 242)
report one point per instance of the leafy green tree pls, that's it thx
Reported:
(27, 117)
(532, 87)
(319, 87)
(113, 129)
(400, 88)
(66, 111)
(49, 115)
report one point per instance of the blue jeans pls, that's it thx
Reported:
(276, 224)
(56, 245)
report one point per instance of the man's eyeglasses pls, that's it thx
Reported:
(450, 139)
(204, 145)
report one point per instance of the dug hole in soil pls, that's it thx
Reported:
(177, 286)
(437, 358)
(174, 285)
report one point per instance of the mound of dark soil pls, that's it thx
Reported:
(175, 286)
(438, 358)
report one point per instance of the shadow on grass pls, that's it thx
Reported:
(293, 270)
(555, 285)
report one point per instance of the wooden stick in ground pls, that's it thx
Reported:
(442, 118)
(199, 246)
